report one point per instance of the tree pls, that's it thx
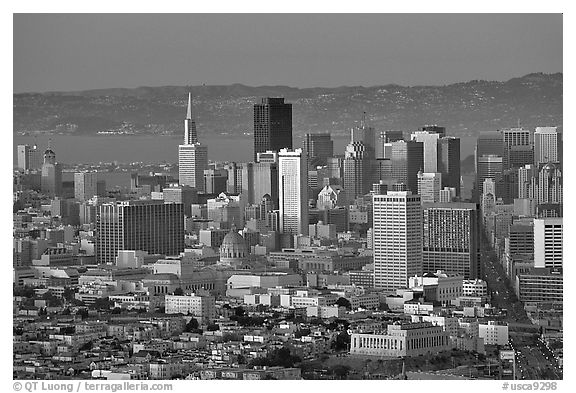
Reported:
(178, 291)
(213, 327)
(341, 371)
(68, 293)
(342, 341)
(103, 303)
(83, 312)
(25, 291)
(343, 302)
(191, 325)
(116, 310)
(239, 311)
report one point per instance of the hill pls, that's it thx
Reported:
(464, 108)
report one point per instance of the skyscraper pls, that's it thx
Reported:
(192, 155)
(449, 162)
(259, 179)
(215, 180)
(548, 242)
(397, 238)
(356, 171)
(429, 186)
(85, 185)
(318, 147)
(152, 226)
(487, 167)
(272, 125)
(430, 141)
(190, 135)
(451, 239)
(29, 157)
(547, 145)
(51, 181)
(407, 160)
(518, 148)
(293, 192)
(434, 129)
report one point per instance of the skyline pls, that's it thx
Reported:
(71, 52)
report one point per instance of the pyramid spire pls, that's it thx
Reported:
(189, 110)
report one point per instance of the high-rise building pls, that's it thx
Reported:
(185, 195)
(397, 239)
(190, 134)
(407, 160)
(430, 141)
(549, 184)
(152, 226)
(383, 140)
(547, 145)
(192, 155)
(449, 162)
(259, 179)
(318, 147)
(51, 182)
(451, 239)
(272, 125)
(356, 171)
(434, 129)
(293, 192)
(487, 167)
(526, 176)
(85, 185)
(336, 167)
(548, 242)
(29, 157)
(234, 178)
(215, 181)
(518, 148)
(429, 186)
(192, 161)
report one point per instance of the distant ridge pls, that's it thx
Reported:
(464, 108)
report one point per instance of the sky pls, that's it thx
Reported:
(67, 52)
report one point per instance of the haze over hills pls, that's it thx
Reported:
(464, 108)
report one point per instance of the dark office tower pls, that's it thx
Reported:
(272, 125)
(215, 180)
(507, 185)
(190, 135)
(449, 162)
(488, 143)
(487, 167)
(152, 226)
(356, 171)
(434, 129)
(318, 147)
(407, 160)
(518, 148)
(451, 239)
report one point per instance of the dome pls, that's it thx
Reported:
(234, 249)
(266, 197)
(50, 152)
(233, 238)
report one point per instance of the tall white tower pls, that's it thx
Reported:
(192, 155)
(397, 239)
(293, 191)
